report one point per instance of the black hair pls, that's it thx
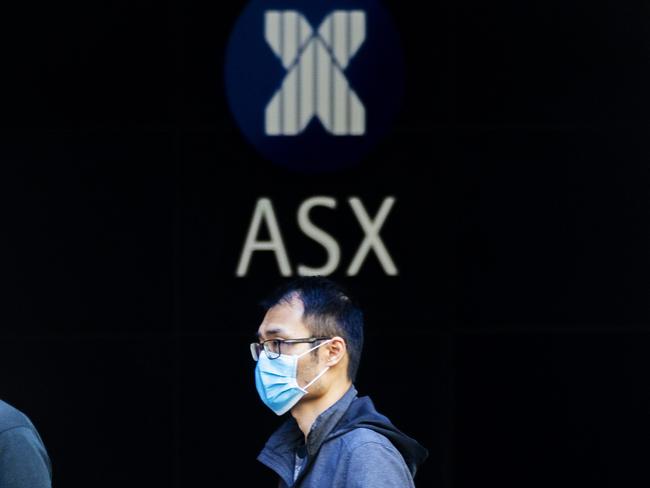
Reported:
(328, 311)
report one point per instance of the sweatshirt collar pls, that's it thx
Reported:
(326, 421)
(278, 453)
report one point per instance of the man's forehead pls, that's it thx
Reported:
(285, 311)
(272, 329)
(287, 330)
(284, 319)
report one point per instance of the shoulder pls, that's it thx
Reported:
(16, 429)
(372, 460)
(362, 438)
(22, 453)
(12, 418)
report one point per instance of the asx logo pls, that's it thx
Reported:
(314, 84)
(265, 221)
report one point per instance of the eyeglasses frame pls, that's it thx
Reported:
(261, 345)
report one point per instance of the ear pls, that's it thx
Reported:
(335, 351)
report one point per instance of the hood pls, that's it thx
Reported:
(362, 414)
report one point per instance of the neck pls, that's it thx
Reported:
(308, 409)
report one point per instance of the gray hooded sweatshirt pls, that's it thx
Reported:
(350, 445)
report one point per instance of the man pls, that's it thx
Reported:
(308, 352)
(24, 462)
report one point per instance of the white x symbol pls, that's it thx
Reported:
(315, 84)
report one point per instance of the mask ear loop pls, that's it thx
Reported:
(313, 348)
(304, 388)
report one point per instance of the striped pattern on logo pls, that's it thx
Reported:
(315, 84)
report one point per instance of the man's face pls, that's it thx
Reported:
(284, 321)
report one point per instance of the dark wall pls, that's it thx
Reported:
(514, 341)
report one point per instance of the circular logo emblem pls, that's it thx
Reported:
(314, 84)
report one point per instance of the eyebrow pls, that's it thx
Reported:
(272, 332)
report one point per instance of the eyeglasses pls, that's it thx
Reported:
(272, 347)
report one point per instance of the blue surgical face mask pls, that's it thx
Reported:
(276, 380)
